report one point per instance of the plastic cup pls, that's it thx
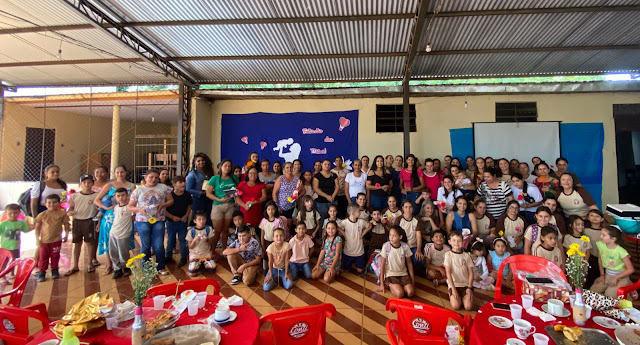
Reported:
(516, 311)
(158, 302)
(111, 321)
(192, 307)
(588, 311)
(540, 339)
(527, 301)
(201, 297)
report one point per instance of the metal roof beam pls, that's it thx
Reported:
(67, 62)
(100, 19)
(502, 12)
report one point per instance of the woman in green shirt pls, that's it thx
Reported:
(223, 203)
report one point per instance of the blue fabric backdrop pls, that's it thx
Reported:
(285, 137)
(585, 156)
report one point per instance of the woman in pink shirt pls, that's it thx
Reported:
(431, 178)
(412, 182)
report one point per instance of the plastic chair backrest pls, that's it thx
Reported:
(527, 263)
(5, 258)
(625, 290)
(23, 268)
(298, 326)
(197, 285)
(420, 323)
(14, 328)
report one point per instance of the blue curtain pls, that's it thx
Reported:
(461, 144)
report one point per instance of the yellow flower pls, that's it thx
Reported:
(501, 233)
(152, 220)
(571, 251)
(575, 246)
(580, 253)
(585, 238)
(289, 199)
(131, 261)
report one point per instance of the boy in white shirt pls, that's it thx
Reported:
(120, 235)
(199, 238)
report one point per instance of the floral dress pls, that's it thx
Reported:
(330, 254)
(106, 222)
(551, 182)
(286, 190)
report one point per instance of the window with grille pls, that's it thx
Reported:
(389, 118)
(39, 150)
(516, 112)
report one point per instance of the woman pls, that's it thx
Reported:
(412, 182)
(548, 185)
(533, 235)
(267, 177)
(106, 222)
(297, 168)
(365, 164)
(505, 171)
(277, 168)
(432, 180)
(485, 222)
(489, 163)
(379, 184)
(341, 198)
(388, 161)
(437, 167)
(101, 174)
(527, 195)
(556, 217)
(447, 165)
(471, 167)
(398, 165)
(251, 162)
(165, 179)
(325, 184)
(284, 190)
(355, 182)
(460, 219)
(201, 172)
(149, 202)
(219, 191)
(52, 184)
(512, 226)
(448, 193)
(251, 195)
(496, 193)
(480, 167)
(317, 167)
(514, 165)
(573, 199)
(456, 161)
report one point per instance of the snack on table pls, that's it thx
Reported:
(559, 327)
(160, 320)
(165, 341)
(572, 333)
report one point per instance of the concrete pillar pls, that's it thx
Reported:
(115, 139)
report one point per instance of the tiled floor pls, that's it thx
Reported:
(361, 314)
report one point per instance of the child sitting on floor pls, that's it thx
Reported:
(495, 260)
(481, 278)
(200, 250)
(353, 230)
(459, 267)
(396, 266)
(548, 248)
(434, 258)
(328, 265)
(614, 264)
(379, 232)
(333, 217)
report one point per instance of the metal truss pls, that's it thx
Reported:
(184, 129)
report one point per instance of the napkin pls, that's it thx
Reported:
(232, 301)
(533, 311)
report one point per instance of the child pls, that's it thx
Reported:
(575, 236)
(333, 217)
(465, 186)
(271, 220)
(307, 183)
(328, 264)
(11, 228)
(120, 234)
(431, 218)
(361, 200)
(596, 223)
(392, 212)
(308, 215)
(434, 258)
(177, 216)
(301, 249)
(83, 210)
(614, 265)
(199, 238)
(353, 230)
(548, 248)
(49, 225)
(396, 266)
(279, 252)
(244, 256)
(237, 171)
(238, 221)
(481, 278)
(495, 259)
(379, 232)
(459, 268)
(410, 225)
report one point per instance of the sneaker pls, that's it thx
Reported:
(55, 274)
(42, 276)
(127, 272)
(117, 274)
(236, 280)
(183, 261)
(163, 272)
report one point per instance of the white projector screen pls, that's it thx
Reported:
(522, 140)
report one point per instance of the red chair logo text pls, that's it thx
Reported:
(420, 325)
(299, 330)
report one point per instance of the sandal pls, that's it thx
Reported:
(108, 270)
(91, 269)
(71, 271)
(95, 263)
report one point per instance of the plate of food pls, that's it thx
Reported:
(186, 335)
(565, 335)
(628, 334)
(156, 320)
(606, 322)
(500, 321)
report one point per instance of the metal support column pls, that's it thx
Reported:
(115, 139)
(184, 129)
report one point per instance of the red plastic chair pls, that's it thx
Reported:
(5, 258)
(625, 290)
(297, 326)
(420, 323)
(23, 268)
(14, 328)
(171, 289)
(527, 263)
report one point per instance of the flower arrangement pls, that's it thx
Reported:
(143, 274)
(576, 265)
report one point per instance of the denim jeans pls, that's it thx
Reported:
(180, 229)
(277, 274)
(295, 269)
(379, 202)
(415, 261)
(412, 196)
(152, 235)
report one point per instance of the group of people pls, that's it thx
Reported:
(451, 224)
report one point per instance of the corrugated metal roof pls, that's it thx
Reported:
(483, 5)
(40, 12)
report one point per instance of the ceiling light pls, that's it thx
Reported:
(428, 49)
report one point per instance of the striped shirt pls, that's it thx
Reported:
(496, 198)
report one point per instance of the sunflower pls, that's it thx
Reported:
(585, 238)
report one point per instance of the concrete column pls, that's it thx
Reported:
(115, 139)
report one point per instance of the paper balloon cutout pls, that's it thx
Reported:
(344, 122)
(245, 140)
(262, 145)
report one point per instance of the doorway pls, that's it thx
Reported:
(627, 126)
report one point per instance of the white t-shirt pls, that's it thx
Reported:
(410, 228)
(532, 191)
(396, 265)
(202, 249)
(353, 231)
(122, 223)
(45, 193)
(450, 199)
(356, 184)
(149, 198)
